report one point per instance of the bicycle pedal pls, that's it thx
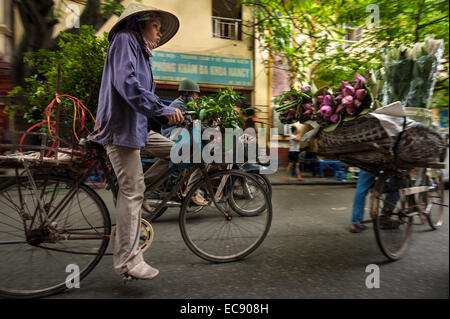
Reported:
(157, 202)
(127, 278)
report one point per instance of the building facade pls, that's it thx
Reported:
(214, 46)
(6, 51)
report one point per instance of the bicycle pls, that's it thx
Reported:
(402, 192)
(153, 197)
(398, 198)
(51, 220)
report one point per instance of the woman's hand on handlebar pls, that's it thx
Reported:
(176, 117)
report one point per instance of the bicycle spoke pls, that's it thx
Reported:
(224, 233)
(36, 262)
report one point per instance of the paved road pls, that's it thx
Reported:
(308, 253)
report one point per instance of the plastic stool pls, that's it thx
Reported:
(339, 175)
(316, 171)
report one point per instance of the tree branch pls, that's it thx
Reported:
(416, 39)
(421, 26)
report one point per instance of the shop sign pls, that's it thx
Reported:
(170, 66)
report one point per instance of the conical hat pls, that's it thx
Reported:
(169, 22)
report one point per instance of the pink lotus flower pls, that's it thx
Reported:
(348, 90)
(347, 101)
(359, 77)
(340, 108)
(306, 88)
(344, 84)
(327, 100)
(359, 80)
(334, 118)
(361, 94)
(350, 110)
(325, 111)
(308, 114)
(307, 106)
(320, 99)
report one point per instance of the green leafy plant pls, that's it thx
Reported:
(218, 110)
(81, 58)
(113, 8)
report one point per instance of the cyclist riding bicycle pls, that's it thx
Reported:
(189, 91)
(127, 99)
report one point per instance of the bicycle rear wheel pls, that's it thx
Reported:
(264, 180)
(242, 192)
(38, 249)
(392, 216)
(219, 233)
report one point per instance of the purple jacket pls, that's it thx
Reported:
(127, 94)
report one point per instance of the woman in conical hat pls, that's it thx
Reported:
(126, 100)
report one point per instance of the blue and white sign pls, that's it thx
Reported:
(172, 66)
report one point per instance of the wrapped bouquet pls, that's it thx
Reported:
(411, 73)
(327, 106)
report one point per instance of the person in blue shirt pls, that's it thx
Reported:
(127, 99)
(364, 184)
(189, 92)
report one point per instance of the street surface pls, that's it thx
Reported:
(308, 253)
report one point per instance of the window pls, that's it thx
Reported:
(226, 19)
(354, 34)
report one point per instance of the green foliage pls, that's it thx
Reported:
(113, 8)
(81, 58)
(219, 109)
(309, 34)
(402, 24)
(294, 30)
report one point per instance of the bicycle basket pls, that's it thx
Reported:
(354, 143)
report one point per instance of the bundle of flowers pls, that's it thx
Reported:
(411, 73)
(295, 105)
(327, 106)
(346, 103)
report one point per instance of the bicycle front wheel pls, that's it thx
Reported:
(52, 234)
(219, 233)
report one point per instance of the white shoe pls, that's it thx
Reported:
(199, 200)
(142, 271)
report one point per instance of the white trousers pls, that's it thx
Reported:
(127, 165)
